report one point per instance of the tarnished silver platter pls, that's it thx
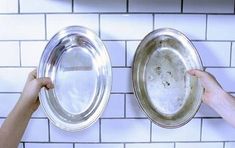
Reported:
(168, 95)
(77, 62)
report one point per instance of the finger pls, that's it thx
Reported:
(197, 73)
(50, 86)
(202, 75)
(44, 82)
(207, 80)
(32, 75)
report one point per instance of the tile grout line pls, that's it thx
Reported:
(231, 54)
(18, 6)
(206, 27)
(174, 144)
(121, 67)
(201, 129)
(99, 25)
(100, 139)
(113, 13)
(72, 6)
(20, 40)
(45, 25)
(153, 21)
(20, 53)
(138, 40)
(224, 144)
(124, 106)
(49, 130)
(182, 5)
(127, 6)
(122, 143)
(17, 66)
(18, 92)
(234, 6)
(73, 145)
(151, 131)
(125, 53)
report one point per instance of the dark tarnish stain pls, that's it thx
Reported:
(158, 70)
(166, 84)
(169, 73)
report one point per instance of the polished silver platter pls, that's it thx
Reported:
(77, 62)
(168, 95)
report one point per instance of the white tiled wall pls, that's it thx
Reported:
(27, 25)
(189, 132)
(208, 6)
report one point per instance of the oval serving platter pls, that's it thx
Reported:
(166, 93)
(78, 64)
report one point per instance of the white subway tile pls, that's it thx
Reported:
(217, 29)
(31, 52)
(90, 134)
(121, 80)
(208, 6)
(9, 6)
(154, 5)
(229, 144)
(115, 107)
(22, 27)
(201, 145)
(56, 22)
(188, 132)
(192, 25)
(47, 6)
(150, 145)
(217, 130)
(13, 79)
(132, 107)
(8, 102)
(116, 50)
(48, 145)
(206, 111)
(225, 77)
(131, 49)
(1, 121)
(99, 146)
(10, 54)
(125, 130)
(214, 53)
(32, 134)
(20, 145)
(125, 26)
(233, 55)
(39, 112)
(100, 6)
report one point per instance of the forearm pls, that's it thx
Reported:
(14, 126)
(225, 107)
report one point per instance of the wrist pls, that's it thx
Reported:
(28, 106)
(218, 99)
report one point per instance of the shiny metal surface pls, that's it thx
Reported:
(167, 94)
(77, 62)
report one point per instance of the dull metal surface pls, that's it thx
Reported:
(167, 94)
